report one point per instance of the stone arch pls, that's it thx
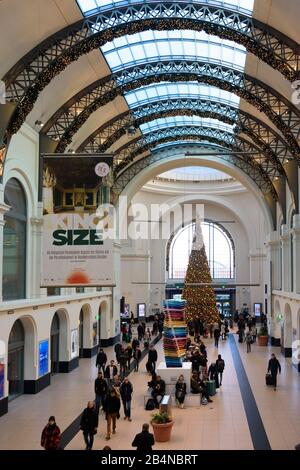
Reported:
(64, 333)
(29, 360)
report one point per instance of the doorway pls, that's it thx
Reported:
(55, 333)
(15, 367)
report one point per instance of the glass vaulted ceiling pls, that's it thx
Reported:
(153, 46)
(181, 121)
(88, 7)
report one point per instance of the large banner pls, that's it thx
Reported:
(75, 251)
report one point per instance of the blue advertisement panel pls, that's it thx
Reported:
(43, 357)
(2, 371)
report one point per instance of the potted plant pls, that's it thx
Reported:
(263, 336)
(162, 426)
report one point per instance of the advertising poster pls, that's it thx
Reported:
(141, 310)
(75, 252)
(257, 309)
(43, 358)
(74, 344)
(2, 373)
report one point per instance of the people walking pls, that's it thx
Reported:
(126, 391)
(144, 440)
(213, 374)
(89, 424)
(220, 363)
(112, 409)
(152, 357)
(123, 359)
(217, 334)
(274, 367)
(140, 331)
(110, 371)
(101, 360)
(180, 391)
(50, 439)
(135, 343)
(137, 355)
(248, 341)
(100, 391)
(118, 348)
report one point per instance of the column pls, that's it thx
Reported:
(3, 209)
(256, 261)
(296, 252)
(286, 265)
(34, 266)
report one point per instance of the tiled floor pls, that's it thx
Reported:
(220, 425)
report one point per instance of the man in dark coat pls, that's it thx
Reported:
(158, 390)
(137, 355)
(273, 367)
(101, 360)
(118, 348)
(112, 406)
(217, 334)
(51, 435)
(100, 391)
(140, 331)
(126, 391)
(110, 372)
(152, 357)
(135, 343)
(144, 440)
(89, 424)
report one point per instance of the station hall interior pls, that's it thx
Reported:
(184, 106)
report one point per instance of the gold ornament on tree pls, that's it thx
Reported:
(200, 300)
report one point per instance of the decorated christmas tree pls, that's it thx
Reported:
(200, 300)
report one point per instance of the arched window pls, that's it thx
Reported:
(14, 242)
(219, 251)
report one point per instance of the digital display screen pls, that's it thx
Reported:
(43, 357)
(141, 310)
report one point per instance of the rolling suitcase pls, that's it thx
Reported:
(211, 387)
(269, 380)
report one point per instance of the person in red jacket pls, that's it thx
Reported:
(51, 435)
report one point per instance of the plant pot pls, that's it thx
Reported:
(263, 340)
(162, 432)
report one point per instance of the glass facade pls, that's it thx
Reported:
(14, 242)
(89, 7)
(219, 250)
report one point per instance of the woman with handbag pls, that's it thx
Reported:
(89, 424)
(180, 391)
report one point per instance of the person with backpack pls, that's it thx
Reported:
(101, 360)
(248, 341)
(89, 424)
(220, 363)
(274, 367)
(50, 439)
